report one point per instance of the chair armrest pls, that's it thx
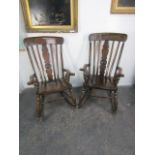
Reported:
(33, 80)
(68, 74)
(85, 67)
(118, 72)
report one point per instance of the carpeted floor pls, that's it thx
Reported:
(91, 130)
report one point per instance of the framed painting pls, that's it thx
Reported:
(123, 6)
(50, 15)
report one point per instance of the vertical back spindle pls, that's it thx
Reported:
(35, 59)
(62, 63)
(57, 63)
(53, 63)
(41, 63)
(113, 61)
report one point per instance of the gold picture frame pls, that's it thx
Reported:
(125, 8)
(58, 17)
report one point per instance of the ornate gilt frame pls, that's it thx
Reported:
(119, 9)
(73, 27)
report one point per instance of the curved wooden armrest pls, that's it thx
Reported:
(119, 72)
(84, 69)
(68, 74)
(33, 80)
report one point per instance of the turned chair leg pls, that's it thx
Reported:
(39, 105)
(69, 96)
(114, 101)
(83, 97)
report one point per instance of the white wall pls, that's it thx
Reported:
(93, 16)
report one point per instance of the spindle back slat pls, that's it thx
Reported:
(61, 57)
(45, 54)
(114, 58)
(104, 54)
(110, 55)
(57, 62)
(41, 64)
(53, 64)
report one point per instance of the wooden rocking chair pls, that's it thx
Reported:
(103, 71)
(45, 55)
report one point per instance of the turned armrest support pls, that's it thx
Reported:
(68, 74)
(85, 70)
(33, 80)
(118, 72)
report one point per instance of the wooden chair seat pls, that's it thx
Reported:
(107, 84)
(53, 87)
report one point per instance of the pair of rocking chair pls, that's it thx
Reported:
(102, 72)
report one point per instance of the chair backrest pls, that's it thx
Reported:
(105, 53)
(45, 54)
